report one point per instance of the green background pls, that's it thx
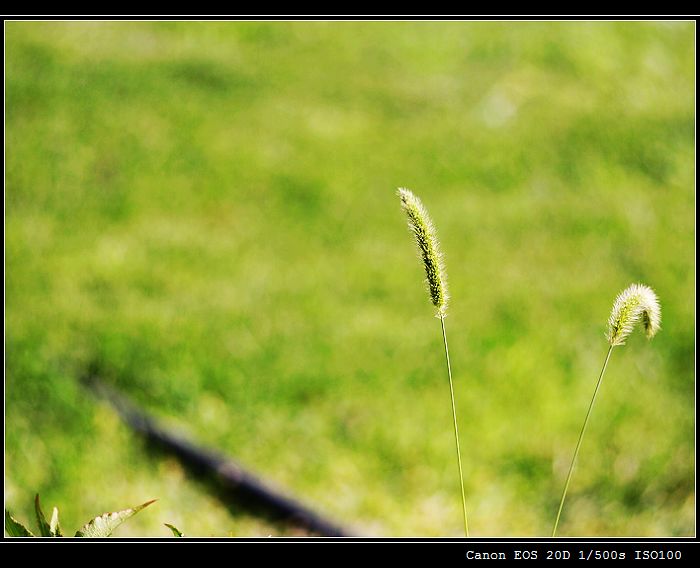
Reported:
(206, 214)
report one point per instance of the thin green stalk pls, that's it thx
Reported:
(580, 439)
(454, 418)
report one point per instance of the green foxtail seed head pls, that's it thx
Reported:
(635, 303)
(422, 228)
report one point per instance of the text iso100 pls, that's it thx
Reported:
(657, 555)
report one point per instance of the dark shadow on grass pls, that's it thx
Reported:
(237, 488)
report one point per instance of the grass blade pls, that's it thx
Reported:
(14, 527)
(104, 525)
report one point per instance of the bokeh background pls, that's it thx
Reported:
(206, 214)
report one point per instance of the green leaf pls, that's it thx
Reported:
(103, 525)
(176, 532)
(44, 527)
(54, 527)
(14, 527)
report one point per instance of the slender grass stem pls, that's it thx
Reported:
(454, 418)
(580, 439)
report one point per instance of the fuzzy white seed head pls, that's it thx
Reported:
(429, 248)
(638, 302)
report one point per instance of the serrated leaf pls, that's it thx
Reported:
(175, 530)
(103, 525)
(14, 527)
(44, 527)
(54, 527)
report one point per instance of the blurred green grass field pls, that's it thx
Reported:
(206, 213)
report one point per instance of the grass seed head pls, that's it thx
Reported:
(632, 304)
(428, 247)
